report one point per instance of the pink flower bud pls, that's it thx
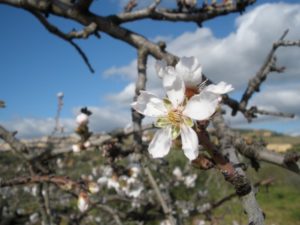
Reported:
(83, 202)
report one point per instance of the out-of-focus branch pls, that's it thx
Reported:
(46, 215)
(63, 182)
(254, 111)
(112, 212)
(2, 104)
(159, 196)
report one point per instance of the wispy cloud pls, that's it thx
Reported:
(234, 58)
(237, 57)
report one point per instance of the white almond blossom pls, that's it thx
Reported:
(175, 114)
(190, 70)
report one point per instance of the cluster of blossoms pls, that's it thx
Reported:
(83, 198)
(189, 181)
(127, 183)
(82, 130)
(188, 100)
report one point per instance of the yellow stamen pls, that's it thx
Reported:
(175, 117)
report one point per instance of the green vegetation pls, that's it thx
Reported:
(280, 201)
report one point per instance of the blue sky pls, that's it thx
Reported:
(36, 65)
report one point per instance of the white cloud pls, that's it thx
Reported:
(107, 119)
(124, 97)
(237, 57)
(36, 127)
(102, 119)
(278, 99)
(234, 58)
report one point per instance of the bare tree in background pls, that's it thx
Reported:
(149, 198)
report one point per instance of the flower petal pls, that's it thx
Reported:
(190, 70)
(161, 143)
(221, 88)
(201, 106)
(149, 105)
(189, 141)
(174, 87)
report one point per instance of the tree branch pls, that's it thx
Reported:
(83, 34)
(198, 15)
(250, 205)
(63, 182)
(254, 83)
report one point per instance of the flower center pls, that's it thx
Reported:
(190, 92)
(175, 117)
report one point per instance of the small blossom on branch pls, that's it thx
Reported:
(82, 130)
(83, 202)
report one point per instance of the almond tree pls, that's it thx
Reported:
(193, 101)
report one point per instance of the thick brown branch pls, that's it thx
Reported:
(84, 5)
(198, 15)
(259, 152)
(63, 182)
(250, 205)
(240, 182)
(254, 110)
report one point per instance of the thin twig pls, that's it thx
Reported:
(54, 30)
(254, 84)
